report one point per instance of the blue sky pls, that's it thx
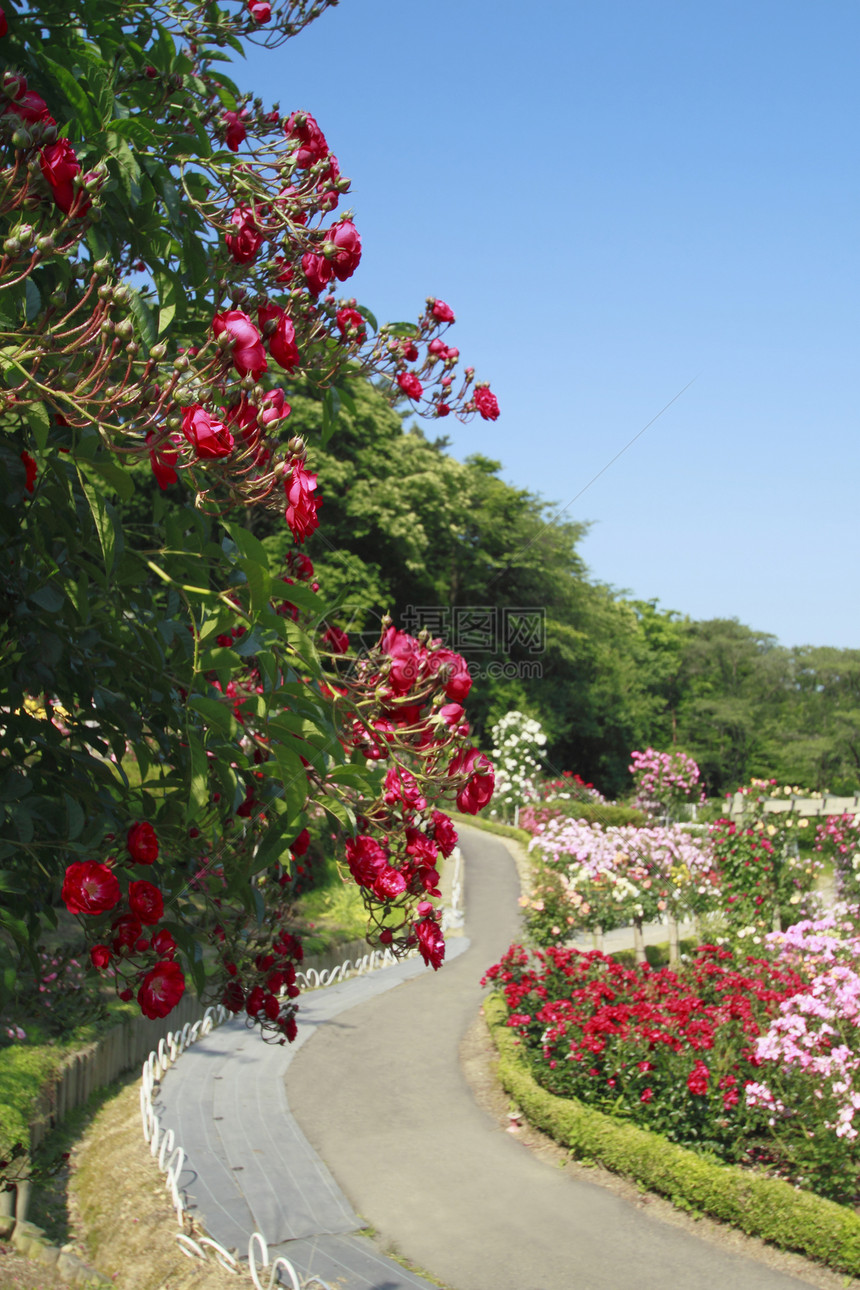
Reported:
(617, 198)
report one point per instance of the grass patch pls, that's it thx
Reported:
(490, 826)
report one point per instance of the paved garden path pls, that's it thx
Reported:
(381, 1096)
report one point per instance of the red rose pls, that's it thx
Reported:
(259, 10)
(142, 843)
(443, 312)
(348, 243)
(236, 131)
(254, 1001)
(164, 944)
(282, 340)
(126, 931)
(90, 888)
(274, 407)
(317, 270)
(161, 990)
(208, 437)
(59, 166)
(478, 789)
(442, 409)
(100, 956)
(302, 506)
(431, 942)
(163, 461)
(4, 26)
(336, 640)
(410, 384)
(30, 107)
(31, 471)
(249, 357)
(301, 843)
(233, 996)
(313, 147)
(444, 833)
(146, 901)
(350, 320)
(244, 244)
(366, 859)
(389, 883)
(486, 403)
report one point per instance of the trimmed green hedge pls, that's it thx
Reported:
(595, 813)
(764, 1207)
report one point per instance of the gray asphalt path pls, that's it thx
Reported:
(380, 1094)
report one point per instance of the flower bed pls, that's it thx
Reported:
(701, 1055)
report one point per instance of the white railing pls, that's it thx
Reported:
(171, 1159)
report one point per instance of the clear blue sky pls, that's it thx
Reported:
(618, 197)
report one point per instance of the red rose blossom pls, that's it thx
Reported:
(302, 505)
(350, 320)
(90, 888)
(444, 833)
(100, 956)
(410, 384)
(60, 165)
(317, 270)
(161, 990)
(142, 843)
(431, 942)
(209, 438)
(478, 789)
(346, 259)
(282, 340)
(259, 10)
(244, 244)
(146, 901)
(163, 461)
(164, 944)
(249, 357)
(236, 131)
(313, 146)
(486, 403)
(443, 312)
(31, 471)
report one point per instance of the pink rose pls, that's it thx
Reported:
(249, 357)
(208, 437)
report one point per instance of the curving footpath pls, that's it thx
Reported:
(382, 1098)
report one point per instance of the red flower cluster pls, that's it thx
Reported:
(635, 1037)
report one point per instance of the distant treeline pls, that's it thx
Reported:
(447, 544)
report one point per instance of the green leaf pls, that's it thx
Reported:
(48, 597)
(198, 786)
(259, 585)
(167, 288)
(74, 818)
(145, 319)
(107, 524)
(33, 300)
(119, 478)
(251, 547)
(216, 714)
(39, 422)
(77, 96)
